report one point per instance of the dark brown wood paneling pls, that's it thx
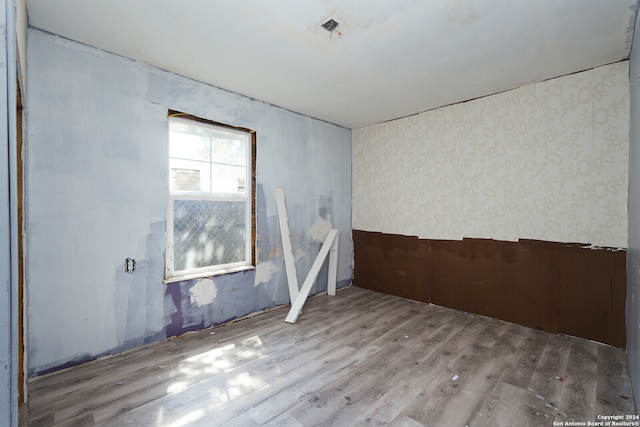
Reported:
(369, 260)
(576, 313)
(493, 276)
(592, 294)
(405, 267)
(618, 299)
(536, 299)
(449, 274)
(557, 287)
(392, 264)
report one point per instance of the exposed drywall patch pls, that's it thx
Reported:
(182, 315)
(203, 292)
(322, 225)
(235, 296)
(186, 311)
(298, 254)
(264, 272)
(194, 316)
(319, 230)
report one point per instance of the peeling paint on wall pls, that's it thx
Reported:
(322, 225)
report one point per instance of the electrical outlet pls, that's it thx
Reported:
(129, 265)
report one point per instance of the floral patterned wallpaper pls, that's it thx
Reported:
(546, 161)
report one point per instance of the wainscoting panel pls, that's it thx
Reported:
(566, 288)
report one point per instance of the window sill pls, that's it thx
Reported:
(206, 274)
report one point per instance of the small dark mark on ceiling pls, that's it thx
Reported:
(330, 25)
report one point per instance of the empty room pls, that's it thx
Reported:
(406, 213)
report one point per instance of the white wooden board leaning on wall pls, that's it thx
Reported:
(329, 248)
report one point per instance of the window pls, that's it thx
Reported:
(210, 213)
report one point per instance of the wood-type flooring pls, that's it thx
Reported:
(360, 358)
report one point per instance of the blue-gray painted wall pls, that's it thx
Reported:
(7, 367)
(8, 218)
(633, 254)
(97, 184)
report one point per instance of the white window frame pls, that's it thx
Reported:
(171, 275)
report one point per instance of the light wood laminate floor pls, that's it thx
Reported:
(360, 358)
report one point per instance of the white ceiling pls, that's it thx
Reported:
(393, 58)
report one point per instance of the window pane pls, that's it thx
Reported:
(229, 180)
(208, 233)
(231, 150)
(190, 144)
(189, 175)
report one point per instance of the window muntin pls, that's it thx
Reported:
(209, 215)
